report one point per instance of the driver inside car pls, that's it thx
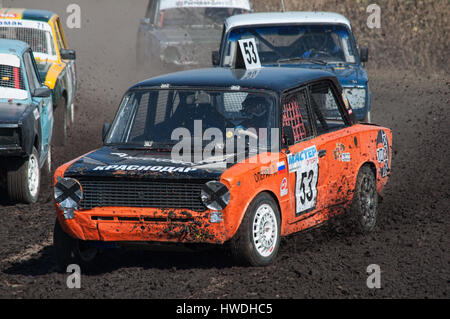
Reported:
(254, 110)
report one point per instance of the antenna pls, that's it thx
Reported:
(283, 8)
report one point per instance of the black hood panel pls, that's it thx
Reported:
(141, 164)
(11, 113)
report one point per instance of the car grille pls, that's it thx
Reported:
(132, 193)
(35, 38)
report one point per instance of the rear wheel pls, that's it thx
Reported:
(61, 122)
(257, 240)
(24, 179)
(69, 250)
(364, 208)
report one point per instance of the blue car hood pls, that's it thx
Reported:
(348, 75)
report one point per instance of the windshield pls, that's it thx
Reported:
(12, 85)
(196, 16)
(36, 34)
(155, 117)
(295, 43)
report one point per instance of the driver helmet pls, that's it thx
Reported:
(255, 106)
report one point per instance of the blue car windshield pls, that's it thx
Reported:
(328, 43)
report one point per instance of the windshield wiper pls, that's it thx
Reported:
(300, 59)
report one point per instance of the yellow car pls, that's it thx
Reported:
(43, 31)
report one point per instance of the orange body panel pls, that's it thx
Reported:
(344, 152)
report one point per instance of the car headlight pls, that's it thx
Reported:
(68, 193)
(215, 195)
(356, 97)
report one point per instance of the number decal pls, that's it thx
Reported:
(305, 164)
(250, 53)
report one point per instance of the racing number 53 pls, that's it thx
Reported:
(306, 188)
(249, 53)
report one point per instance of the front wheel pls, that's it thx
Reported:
(364, 208)
(69, 250)
(24, 180)
(257, 240)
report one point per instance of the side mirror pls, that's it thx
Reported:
(68, 54)
(43, 91)
(364, 54)
(288, 135)
(105, 130)
(215, 58)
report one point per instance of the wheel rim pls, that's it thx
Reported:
(33, 175)
(368, 201)
(265, 230)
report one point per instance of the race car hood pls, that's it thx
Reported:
(143, 164)
(348, 75)
(11, 113)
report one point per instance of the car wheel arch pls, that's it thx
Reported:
(244, 210)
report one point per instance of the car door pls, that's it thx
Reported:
(44, 105)
(68, 72)
(71, 65)
(336, 141)
(308, 176)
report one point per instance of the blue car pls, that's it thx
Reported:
(26, 122)
(315, 40)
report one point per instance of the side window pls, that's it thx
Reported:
(151, 11)
(295, 114)
(33, 80)
(325, 108)
(59, 39)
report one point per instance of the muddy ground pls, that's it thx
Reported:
(411, 242)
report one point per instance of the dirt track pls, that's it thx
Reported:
(411, 243)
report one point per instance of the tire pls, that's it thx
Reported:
(61, 122)
(69, 251)
(24, 180)
(48, 162)
(251, 245)
(364, 207)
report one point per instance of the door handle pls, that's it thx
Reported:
(322, 153)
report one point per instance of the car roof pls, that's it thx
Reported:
(26, 14)
(267, 18)
(13, 46)
(266, 78)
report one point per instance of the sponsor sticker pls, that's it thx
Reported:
(383, 153)
(170, 169)
(264, 173)
(345, 157)
(305, 164)
(339, 155)
(298, 160)
(284, 187)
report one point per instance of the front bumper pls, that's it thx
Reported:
(131, 224)
(10, 141)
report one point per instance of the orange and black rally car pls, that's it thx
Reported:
(222, 156)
